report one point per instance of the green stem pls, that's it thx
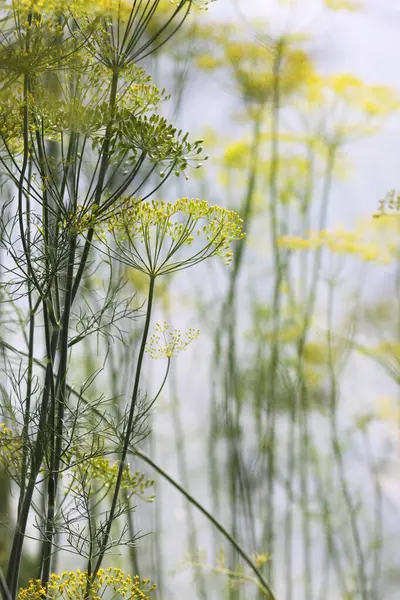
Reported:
(115, 379)
(56, 428)
(29, 375)
(266, 586)
(105, 159)
(354, 526)
(269, 534)
(129, 427)
(37, 457)
(24, 166)
(157, 564)
(190, 498)
(376, 545)
(304, 451)
(232, 408)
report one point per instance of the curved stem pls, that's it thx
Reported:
(147, 459)
(217, 524)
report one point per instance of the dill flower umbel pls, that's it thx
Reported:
(174, 342)
(155, 237)
(70, 585)
(10, 447)
(103, 471)
(389, 206)
(339, 242)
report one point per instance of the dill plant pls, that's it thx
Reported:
(83, 151)
(281, 180)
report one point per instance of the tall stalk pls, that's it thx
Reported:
(36, 462)
(294, 408)
(233, 412)
(304, 450)
(56, 424)
(105, 158)
(362, 578)
(268, 535)
(128, 430)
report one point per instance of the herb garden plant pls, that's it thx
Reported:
(84, 152)
(92, 241)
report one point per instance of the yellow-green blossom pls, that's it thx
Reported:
(105, 472)
(388, 409)
(340, 242)
(10, 447)
(174, 341)
(155, 237)
(72, 585)
(342, 107)
(293, 242)
(389, 206)
(350, 5)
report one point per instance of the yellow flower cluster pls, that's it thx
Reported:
(253, 63)
(236, 155)
(79, 220)
(389, 206)
(38, 7)
(316, 353)
(10, 445)
(175, 344)
(164, 228)
(346, 105)
(352, 91)
(207, 62)
(11, 107)
(239, 51)
(253, 69)
(289, 333)
(76, 8)
(293, 242)
(388, 409)
(121, 8)
(388, 348)
(340, 242)
(103, 470)
(350, 5)
(72, 585)
(261, 558)
(373, 99)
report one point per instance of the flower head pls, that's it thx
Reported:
(174, 341)
(162, 237)
(73, 584)
(389, 206)
(105, 473)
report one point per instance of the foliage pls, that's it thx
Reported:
(81, 133)
(85, 146)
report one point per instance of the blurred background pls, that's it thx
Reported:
(282, 419)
